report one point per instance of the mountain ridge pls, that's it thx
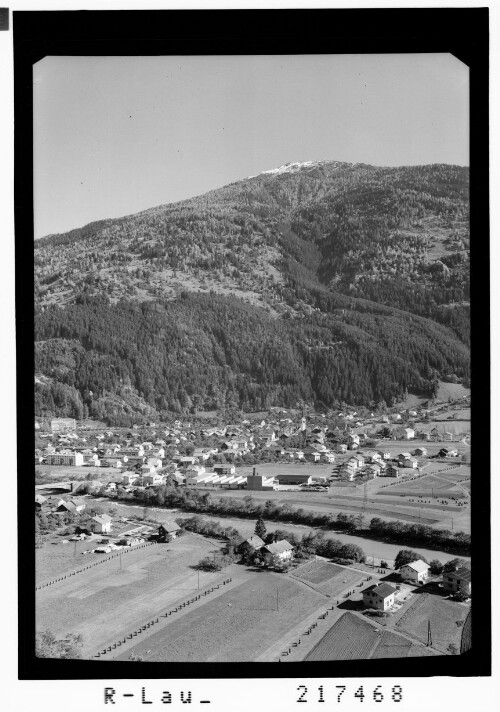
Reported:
(313, 245)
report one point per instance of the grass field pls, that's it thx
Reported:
(443, 616)
(107, 601)
(394, 512)
(350, 638)
(237, 626)
(328, 578)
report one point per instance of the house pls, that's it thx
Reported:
(380, 597)
(202, 453)
(295, 454)
(459, 580)
(385, 455)
(407, 433)
(168, 530)
(420, 451)
(410, 462)
(347, 471)
(101, 524)
(402, 457)
(152, 480)
(70, 506)
(282, 549)
(415, 571)
(154, 462)
(224, 469)
(255, 541)
(148, 470)
(373, 470)
(186, 461)
(342, 448)
(390, 471)
(311, 455)
(353, 462)
(40, 500)
(128, 478)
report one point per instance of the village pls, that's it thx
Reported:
(114, 518)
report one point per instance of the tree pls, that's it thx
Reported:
(352, 551)
(260, 528)
(406, 556)
(454, 564)
(436, 567)
(47, 646)
(247, 552)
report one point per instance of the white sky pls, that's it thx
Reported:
(115, 135)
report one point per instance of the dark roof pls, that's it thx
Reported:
(170, 526)
(255, 541)
(463, 573)
(383, 590)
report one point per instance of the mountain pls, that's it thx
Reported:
(315, 282)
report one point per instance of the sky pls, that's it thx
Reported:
(116, 135)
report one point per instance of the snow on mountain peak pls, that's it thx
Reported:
(295, 167)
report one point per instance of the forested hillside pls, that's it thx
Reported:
(321, 283)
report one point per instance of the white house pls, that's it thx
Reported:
(415, 572)
(101, 523)
(282, 549)
(380, 597)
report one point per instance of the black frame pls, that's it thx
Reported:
(462, 32)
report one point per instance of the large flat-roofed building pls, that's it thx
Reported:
(73, 459)
(59, 425)
(294, 479)
(258, 482)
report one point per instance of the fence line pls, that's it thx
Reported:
(95, 563)
(153, 622)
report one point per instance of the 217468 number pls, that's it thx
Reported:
(339, 692)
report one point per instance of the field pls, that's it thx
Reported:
(107, 601)
(350, 638)
(443, 616)
(67, 472)
(354, 638)
(56, 558)
(328, 578)
(239, 625)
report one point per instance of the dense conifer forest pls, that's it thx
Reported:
(327, 284)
